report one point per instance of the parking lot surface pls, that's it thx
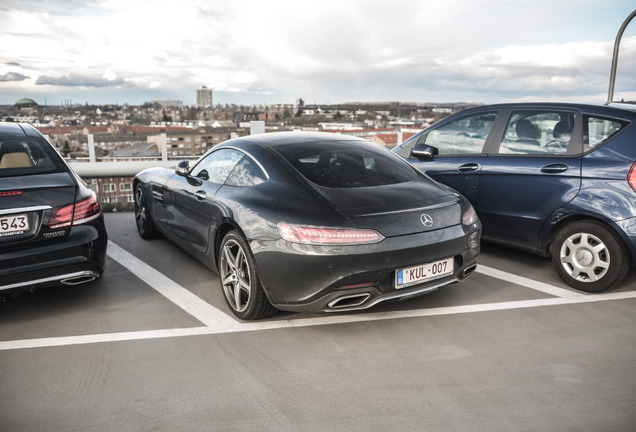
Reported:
(152, 346)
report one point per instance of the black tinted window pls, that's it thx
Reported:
(25, 156)
(346, 164)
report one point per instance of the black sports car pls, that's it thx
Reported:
(51, 225)
(310, 222)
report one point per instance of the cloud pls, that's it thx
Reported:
(335, 51)
(74, 80)
(13, 76)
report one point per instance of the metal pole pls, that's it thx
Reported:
(617, 43)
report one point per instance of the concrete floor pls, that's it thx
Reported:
(495, 353)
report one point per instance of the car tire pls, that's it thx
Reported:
(241, 285)
(145, 225)
(590, 256)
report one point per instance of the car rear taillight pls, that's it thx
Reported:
(75, 214)
(327, 236)
(470, 216)
(631, 177)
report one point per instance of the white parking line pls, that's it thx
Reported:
(190, 303)
(217, 322)
(528, 283)
(307, 322)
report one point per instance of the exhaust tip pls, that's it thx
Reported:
(348, 301)
(79, 278)
(469, 270)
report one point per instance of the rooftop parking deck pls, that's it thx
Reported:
(152, 346)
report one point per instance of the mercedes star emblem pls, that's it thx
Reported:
(427, 221)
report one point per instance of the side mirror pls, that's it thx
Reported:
(424, 152)
(183, 168)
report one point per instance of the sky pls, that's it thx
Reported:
(325, 52)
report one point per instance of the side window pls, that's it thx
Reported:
(466, 135)
(538, 133)
(246, 173)
(216, 166)
(597, 130)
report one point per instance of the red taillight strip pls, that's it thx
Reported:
(82, 212)
(10, 193)
(327, 236)
(631, 177)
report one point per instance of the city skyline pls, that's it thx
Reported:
(119, 52)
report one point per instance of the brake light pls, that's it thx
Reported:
(631, 177)
(326, 236)
(84, 211)
(470, 216)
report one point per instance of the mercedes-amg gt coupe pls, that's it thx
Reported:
(313, 222)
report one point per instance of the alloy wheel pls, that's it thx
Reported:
(235, 276)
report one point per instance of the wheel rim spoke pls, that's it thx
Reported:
(235, 276)
(140, 210)
(585, 257)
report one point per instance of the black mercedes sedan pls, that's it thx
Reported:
(51, 225)
(312, 222)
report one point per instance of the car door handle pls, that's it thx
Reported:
(200, 195)
(554, 168)
(469, 167)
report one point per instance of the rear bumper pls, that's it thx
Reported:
(303, 278)
(77, 258)
(366, 297)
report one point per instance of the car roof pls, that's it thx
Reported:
(622, 110)
(577, 105)
(18, 130)
(283, 138)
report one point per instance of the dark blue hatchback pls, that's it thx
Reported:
(558, 180)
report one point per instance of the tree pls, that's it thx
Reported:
(66, 148)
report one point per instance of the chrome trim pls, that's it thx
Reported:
(24, 209)
(417, 209)
(469, 270)
(334, 303)
(65, 279)
(158, 195)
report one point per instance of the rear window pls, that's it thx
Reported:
(346, 164)
(25, 156)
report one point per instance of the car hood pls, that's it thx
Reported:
(400, 209)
